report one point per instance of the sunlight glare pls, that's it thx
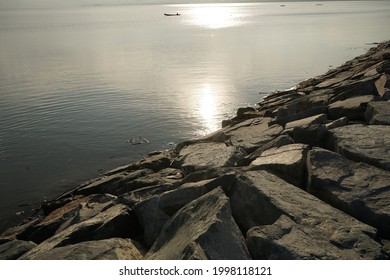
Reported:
(215, 16)
(208, 108)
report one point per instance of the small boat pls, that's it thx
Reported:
(171, 15)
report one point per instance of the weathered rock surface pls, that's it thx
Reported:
(116, 221)
(153, 213)
(107, 249)
(74, 212)
(383, 86)
(287, 162)
(285, 222)
(353, 108)
(275, 143)
(312, 135)
(112, 183)
(353, 142)
(303, 176)
(317, 119)
(203, 229)
(337, 123)
(209, 155)
(15, 248)
(378, 113)
(358, 189)
(252, 134)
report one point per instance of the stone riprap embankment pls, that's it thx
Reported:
(306, 175)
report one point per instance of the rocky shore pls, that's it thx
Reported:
(306, 175)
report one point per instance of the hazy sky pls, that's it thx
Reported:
(70, 3)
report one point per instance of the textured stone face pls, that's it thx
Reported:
(209, 155)
(288, 162)
(155, 211)
(358, 189)
(203, 229)
(107, 249)
(74, 212)
(353, 108)
(378, 113)
(369, 144)
(116, 221)
(13, 249)
(252, 134)
(285, 222)
(317, 119)
(383, 84)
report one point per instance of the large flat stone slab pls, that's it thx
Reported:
(287, 162)
(253, 133)
(364, 143)
(279, 217)
(317, 119)
(353, 108)
(203, 229)
(111, 183)
(361, 190)
(209, 155)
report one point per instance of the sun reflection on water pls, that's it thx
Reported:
(214, 16)
(208, 108)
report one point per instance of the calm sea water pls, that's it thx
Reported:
(77, 84)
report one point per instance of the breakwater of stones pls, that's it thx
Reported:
(305, 175)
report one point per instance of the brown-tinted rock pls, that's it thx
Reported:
(106, 249)
(353, 108)
(116, 221)
(15, 248)
(111, 183)
(313, 135)
(378, 113)
(288, 118)
(337, 123)
(383, 84)
(76, 211)
(317, 119)
(353, 88)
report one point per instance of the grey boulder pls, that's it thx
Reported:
(369, 144)
(282, 221)
(203, 229)
(358, 189)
